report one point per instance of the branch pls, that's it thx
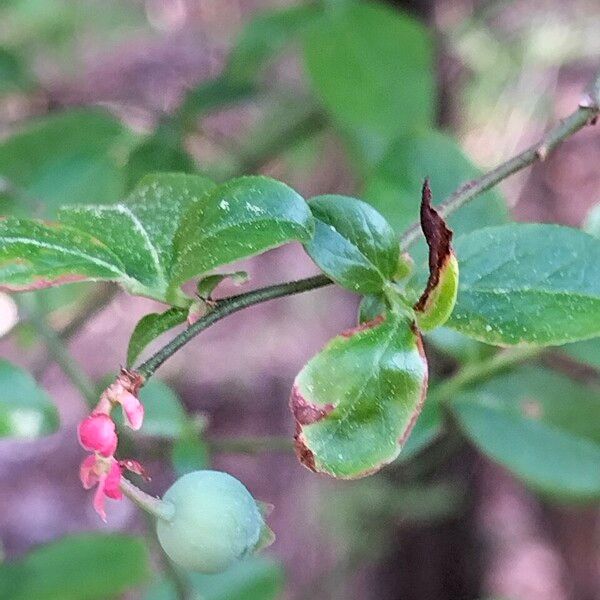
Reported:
(481, 371)
(586, 114)
(58, 350)
(227, 307)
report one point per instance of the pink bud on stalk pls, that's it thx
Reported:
(124, 392)
(97, 434)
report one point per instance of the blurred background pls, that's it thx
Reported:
(451, 525)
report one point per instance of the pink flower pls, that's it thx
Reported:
(97, 434)
(133, 409)
(124, 392)
(106, 474)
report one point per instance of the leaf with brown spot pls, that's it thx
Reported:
(356, 401)
(437, 301)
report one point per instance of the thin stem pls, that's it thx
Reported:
(60, 353)
(181, 582)
(586, 113)
(93, 305)
(153, 506)
(228, 307)
(480, 371)
(251, 445)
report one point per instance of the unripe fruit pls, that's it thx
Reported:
(216, 522)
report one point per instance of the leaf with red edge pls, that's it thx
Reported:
(437, 301)
(35, 254)
(356, 402)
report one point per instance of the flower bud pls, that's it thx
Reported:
(216, 522)
(97, 434)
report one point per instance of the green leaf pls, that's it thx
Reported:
(541, 426)
(14, 75)
(427, 429)
(238, 219)
(265, 36)
(190, 452)
(72, 157)
(211, 95)
(372, 67)
(370, 307)
(35, 255)
(140, 231)
(162, 151)
(586, 352)
(255, 578)
(149, 327)
(458, 346)
(353, 243)
(394, 187)
(172, 227)
(528, 283)
(207, 285)
(356, 401)
(25, 409)
(80, 567)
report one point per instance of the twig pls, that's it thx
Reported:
(586, 113)
(251, 445)
(479, 371)
(60, 353)
(225, 308)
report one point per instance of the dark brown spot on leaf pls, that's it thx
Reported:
(304, 411)
(305, 456)
(438, 238)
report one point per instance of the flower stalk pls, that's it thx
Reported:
(156, 507)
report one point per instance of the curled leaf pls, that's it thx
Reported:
(437, 301)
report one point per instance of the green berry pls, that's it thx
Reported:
(216, 522)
